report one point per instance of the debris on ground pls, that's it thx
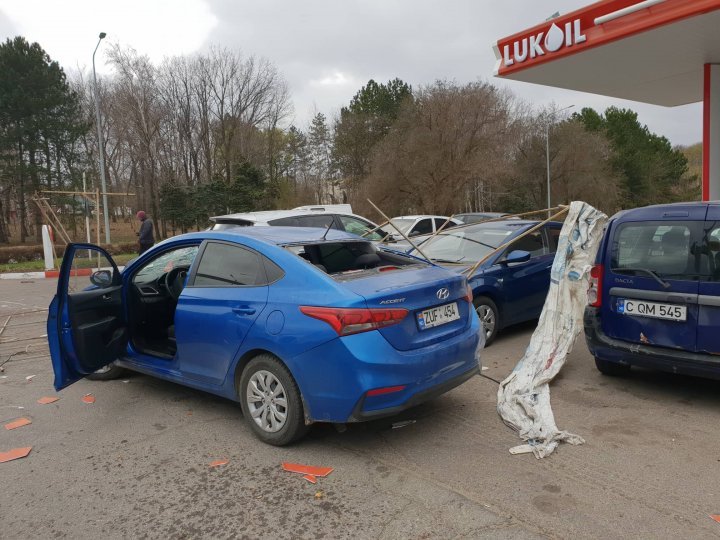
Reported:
(88, 398)
(310, 478)
(403, 423)
(307, 469)
(319, 494)
(15, 453)
(219, 462)
(47, 400)
(30, 378)
(521, 449)
(523, 399)
(715, 517)
(4, 326)
(20, 422)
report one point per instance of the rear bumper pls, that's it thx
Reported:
(609, 349)
(335, 377)
(360, 415)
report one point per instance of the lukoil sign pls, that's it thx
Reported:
(544, 42)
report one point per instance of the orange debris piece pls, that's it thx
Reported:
(88, 398)
(716, 517)
(307, 469)
(47, 400)
(15, 453)
(310, 478)
(20, 422)
(219, 462)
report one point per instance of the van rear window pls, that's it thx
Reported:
(669, 249)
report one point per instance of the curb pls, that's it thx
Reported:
(23, 275)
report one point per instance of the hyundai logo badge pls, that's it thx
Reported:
(443, 293)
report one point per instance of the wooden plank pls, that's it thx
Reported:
(398, 230)
(470, 271)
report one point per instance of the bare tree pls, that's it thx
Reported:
(580, 167)
(137, 114)
(444, 145)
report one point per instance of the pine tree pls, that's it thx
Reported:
(40, 121)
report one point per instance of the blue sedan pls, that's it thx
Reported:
(511, 285)
(298, 325)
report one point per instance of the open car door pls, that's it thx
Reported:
(86, 320)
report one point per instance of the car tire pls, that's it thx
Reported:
(611, 368)
(489, 317)
(107, 373)
(264, 380)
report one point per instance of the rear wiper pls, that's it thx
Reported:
(664, 284)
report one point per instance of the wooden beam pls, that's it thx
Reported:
(398, 230)
(470, 271)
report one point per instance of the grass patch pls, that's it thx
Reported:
(38, 266)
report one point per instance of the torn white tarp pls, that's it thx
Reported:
(524, 397)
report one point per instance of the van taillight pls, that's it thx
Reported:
(595, 289)
(346, 321)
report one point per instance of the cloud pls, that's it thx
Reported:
(68, 30)
(337, 78)
(326, 49)
(7, 28)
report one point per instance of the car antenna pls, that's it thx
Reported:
(327, 230)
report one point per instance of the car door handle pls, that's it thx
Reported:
(244, 311)
(106, 297)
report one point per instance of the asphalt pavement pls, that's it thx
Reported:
(136, 462)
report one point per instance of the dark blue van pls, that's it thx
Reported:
(654, 298)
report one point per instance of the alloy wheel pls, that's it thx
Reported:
(487, 317)
(104, 369)
(267, 401)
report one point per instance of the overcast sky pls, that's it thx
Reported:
(326, 49)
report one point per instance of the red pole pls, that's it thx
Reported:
(706, 133)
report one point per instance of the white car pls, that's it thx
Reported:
(417, 225)
(335, 216)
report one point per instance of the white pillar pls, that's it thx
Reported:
(711, 133)
(48, 248)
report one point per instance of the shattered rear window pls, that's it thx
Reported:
(351, 258)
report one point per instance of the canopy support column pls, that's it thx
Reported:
(711, 133)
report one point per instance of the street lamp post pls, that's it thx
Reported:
(547, 153)
(101, 152)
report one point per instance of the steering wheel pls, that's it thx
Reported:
(175, 281)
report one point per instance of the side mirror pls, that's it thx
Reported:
(414, 233)
(389, 239)
(101, 278)
(517, 256)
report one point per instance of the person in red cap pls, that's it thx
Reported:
(145, 235)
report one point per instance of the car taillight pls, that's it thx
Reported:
(346, 321)
(468, 294)
(595, 289)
